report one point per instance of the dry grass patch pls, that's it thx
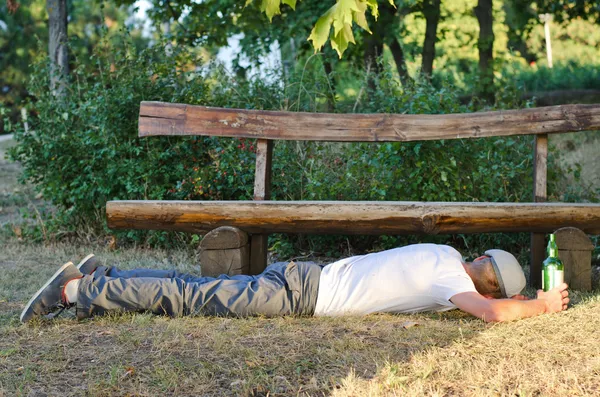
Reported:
(145, 355)
(552, 355)
(18, 203)
(139, 354)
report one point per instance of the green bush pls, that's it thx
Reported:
(84, 150)
(562, 76)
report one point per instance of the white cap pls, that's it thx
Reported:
(508, 272)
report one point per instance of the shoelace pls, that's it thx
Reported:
(61, 309)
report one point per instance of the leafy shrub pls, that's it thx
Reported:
(562, 76)
(85, 150)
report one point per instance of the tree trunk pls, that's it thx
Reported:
(373, 50)
(519, 44)
(384, 32)
(57, 45)
(518, 14)
(485, 45)
(431, 10)
(400, 60)
(328, 66)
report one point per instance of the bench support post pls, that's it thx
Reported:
(262, 191)
(540, 172)
(575, 251)
(224, 250)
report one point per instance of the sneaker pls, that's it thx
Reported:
(50, 298)
(88, 264)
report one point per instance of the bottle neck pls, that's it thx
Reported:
(552, 247)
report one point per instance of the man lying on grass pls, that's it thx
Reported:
(415, 278)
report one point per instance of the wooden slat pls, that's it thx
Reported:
(157, 118)
(349, 217)
(262, 191)
(540, 168)
(262, 175)
(540, 177)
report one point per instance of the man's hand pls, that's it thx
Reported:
(556, 299)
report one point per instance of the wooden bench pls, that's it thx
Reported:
(261, 217)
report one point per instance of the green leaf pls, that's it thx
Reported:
(361, 20)
(271, 8)
(291, 3)
(372, 4)
(342, 14)
(320, 31)
(340, 41)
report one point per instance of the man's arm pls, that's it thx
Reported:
(495, 310)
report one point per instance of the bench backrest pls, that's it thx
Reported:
(158, 118)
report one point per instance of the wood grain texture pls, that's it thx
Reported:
(540, 168)
(259, 252)
(262, 175)
(349, 217)
(223, 238)
(158, 118)
(573, 239)
(227, 261)
(575, 251)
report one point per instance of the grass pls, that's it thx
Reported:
(17, 202)
(378, 355)
(140, 354)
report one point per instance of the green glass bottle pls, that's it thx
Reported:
(552, 268)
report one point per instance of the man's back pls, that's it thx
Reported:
(420, 277)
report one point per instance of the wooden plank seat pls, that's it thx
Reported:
(352, 217)
(261, 217)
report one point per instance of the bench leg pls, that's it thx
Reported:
(262, 191)
(224, 250)
(258, 253)
(538, 254)
(575, 251)
(540, 174)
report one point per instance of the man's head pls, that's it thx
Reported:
(497, 274)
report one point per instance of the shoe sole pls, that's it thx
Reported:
(83, 261)
(37, 294)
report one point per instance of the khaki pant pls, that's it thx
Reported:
(282, 289)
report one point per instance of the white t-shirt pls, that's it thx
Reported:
(415, 278)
